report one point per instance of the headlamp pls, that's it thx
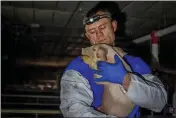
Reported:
(94, 18)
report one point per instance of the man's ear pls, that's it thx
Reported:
(115, 25)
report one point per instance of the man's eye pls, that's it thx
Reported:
(102, 27)
(91, 32)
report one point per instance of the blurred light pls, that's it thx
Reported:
(35, 25)
(82, 35)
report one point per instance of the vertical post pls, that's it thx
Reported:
(154, 51)
(36, 115)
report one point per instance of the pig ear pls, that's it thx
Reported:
(82, 51)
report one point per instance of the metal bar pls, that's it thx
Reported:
(62, 62)
(32, 96)
(32, 104)
(31, 111)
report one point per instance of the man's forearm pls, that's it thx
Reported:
(150, 96)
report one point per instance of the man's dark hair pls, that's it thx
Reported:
(106, 6)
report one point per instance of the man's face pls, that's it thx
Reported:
(101, 31)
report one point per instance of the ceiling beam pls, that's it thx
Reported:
(135, 18)
(36, 9)
(16, 21)
(123, 10)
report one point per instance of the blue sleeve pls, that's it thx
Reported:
(137, 64)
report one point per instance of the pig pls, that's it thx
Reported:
(114, 101)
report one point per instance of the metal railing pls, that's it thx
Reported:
(35, 111)
(29, 96)
(37, 100)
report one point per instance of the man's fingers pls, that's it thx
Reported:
(101, 79)
(96, 72)
(103, 83)
(96, 76)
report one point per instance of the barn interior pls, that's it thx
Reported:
(40, 38)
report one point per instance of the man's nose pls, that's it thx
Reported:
(99, 34)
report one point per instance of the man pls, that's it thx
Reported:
(81, 96)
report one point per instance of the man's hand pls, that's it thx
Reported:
(114, 73)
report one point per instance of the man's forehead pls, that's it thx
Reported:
(97, 24)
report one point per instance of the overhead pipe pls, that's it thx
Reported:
(158, 33)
